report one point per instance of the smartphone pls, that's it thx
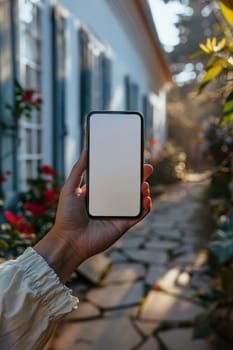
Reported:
(115, 164)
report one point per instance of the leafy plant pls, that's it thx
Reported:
(219, 146)
(26, 100)
(169, 165)
(36, 211)
(36, 208)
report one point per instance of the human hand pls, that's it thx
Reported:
(82, 235)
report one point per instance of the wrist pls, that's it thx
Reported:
(59, 253)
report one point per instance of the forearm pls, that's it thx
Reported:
(59, 253)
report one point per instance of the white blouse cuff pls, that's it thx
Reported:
(45, 283)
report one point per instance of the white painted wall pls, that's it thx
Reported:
(108, 25)
(72, 144)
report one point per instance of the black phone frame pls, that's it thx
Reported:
(88, 161)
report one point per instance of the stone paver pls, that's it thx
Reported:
(182, 339)
(94, 268)
(161, 225)
(161, 306)
(172, 235)
(200, 281)
(114, 296)
(116, 257)
(146, 328)
(123, 336)
(154, 273)
(158, 244)
(124, 273)
(131, 311)
(114, 334)
(130, 241)
(186, 259)
(71, 336)
(146, 277)
(146, 256)
(85, 311)
(150, 344)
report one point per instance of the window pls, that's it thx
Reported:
(95, 76)
(30, 75)
(7, 78)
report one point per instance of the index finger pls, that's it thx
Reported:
(75, 177)
(148, 170)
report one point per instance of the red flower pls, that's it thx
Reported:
(19, 223)
(3, 179)
(50, 197)
(8, 173)
(12, 218)
(35, 209)
(153, 143)
(28, 95)
(46, 169)
(26, 228)
(38, 101)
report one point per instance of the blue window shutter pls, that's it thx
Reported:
(134, 96)
(148, 117)
(106, 82)
(145, 113)
(59, 56)
(85, 79)
(131, 94)
(127, 93)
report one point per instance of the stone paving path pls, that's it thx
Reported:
(146, 278)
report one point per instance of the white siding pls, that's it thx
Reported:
(105, 21)
(72, 143)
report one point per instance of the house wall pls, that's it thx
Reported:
(116, 29)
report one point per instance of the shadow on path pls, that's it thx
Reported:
(147, 278)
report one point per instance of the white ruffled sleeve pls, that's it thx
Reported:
(32, 300)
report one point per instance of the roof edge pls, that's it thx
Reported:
(154, 39)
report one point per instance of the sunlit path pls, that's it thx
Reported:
(148, 277)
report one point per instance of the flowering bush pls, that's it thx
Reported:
(3, 177)
(170, 165)
(219, 148)
(36, 211)
(26, 100)
(36, 208)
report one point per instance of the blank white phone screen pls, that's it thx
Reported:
(115, 157)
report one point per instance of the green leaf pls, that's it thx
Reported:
(227, 110)
(203, 327)
(211, 73)
(227, 281)
(197, 54)
(211, 295)
(222, 251)
(227, 10)
(4, 245)
(211, 61)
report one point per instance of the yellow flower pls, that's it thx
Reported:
(212, 45)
